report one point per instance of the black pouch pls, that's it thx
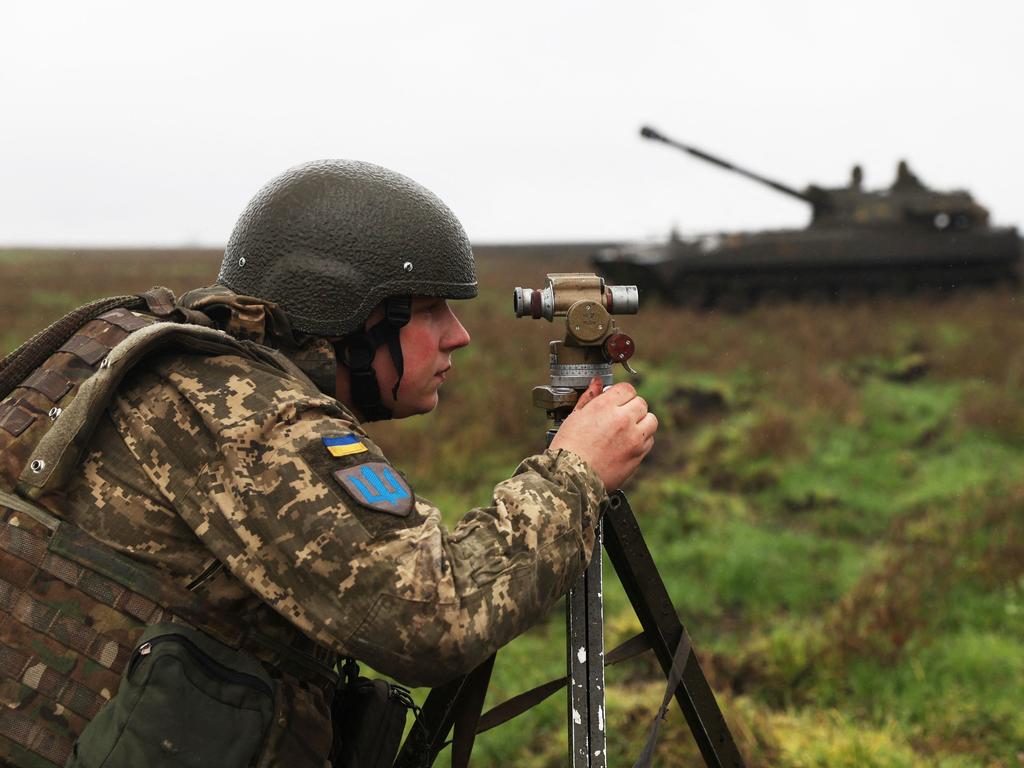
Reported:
(185, 700)
(369, 719)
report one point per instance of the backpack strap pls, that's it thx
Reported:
(58, 452)
(33, 353)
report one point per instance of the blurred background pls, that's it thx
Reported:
(835, 497)
(125, 124)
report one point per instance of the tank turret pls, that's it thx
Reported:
(907, 202)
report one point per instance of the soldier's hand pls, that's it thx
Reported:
(611, 430)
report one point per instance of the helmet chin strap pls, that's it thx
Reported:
(356, 352)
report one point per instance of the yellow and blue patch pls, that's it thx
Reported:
(346, 445)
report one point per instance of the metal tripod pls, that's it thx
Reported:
(663, 630)
(592, 344)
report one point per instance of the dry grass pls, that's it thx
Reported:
(835, 496)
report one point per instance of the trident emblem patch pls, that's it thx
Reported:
(378, 486)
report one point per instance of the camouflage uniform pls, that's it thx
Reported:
(221, 459)
(214, 472)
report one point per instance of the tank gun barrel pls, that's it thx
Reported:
(649, 133)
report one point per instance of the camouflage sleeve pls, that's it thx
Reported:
(239, 451)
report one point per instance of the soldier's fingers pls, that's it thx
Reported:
(621, 393)
(648, 425)
(648, 444)
(637, 408)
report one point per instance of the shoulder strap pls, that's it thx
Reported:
(58, 452)
(21, 362)
(36, 512)
(31, 354)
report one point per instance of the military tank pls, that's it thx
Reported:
(859, 242)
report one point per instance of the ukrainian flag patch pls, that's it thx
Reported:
(346, 445)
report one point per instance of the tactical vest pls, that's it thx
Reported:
(73, 609)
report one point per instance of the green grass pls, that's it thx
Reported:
(834, 502)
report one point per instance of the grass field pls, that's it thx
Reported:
(834, 501)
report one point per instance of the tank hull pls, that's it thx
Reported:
(747, 267)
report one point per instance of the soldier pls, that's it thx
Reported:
(190, 480)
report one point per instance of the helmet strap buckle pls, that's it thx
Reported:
(398, 310)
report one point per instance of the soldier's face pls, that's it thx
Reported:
(430, 337)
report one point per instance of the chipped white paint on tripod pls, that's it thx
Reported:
(581, 655)
(576, 717)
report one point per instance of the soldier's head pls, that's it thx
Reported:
(428, 340)
(366, 258)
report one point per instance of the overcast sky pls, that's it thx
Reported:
(137, 124)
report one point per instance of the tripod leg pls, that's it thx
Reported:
(640, 578)
(471, 704)
(595, 657)
(585, 656)
(427, 738)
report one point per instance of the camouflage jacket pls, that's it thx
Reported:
(215, 484)
(222, 470)
(220, 459)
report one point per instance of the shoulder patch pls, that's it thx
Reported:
(377, 485)
(343, 445)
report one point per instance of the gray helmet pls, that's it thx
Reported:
(329, 240)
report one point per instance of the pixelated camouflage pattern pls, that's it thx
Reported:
(68, 636)
(61, 648)
(231, 453)
(245, 317)
(210, 469)
(66, 630)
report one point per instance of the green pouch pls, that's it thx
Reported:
(185, 700)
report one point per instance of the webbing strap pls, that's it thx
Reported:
(31, 735)
(467, 715)
(107, 571)
(103, 590)
(675, 674)
(34, 511)
(34, 550)
(105, 574)
(510, 708)
(67, 630)
(106, 587)
(31, 671)
(52, 622)
(21, 362)
(89, 351)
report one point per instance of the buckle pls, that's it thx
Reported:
(398, 310)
